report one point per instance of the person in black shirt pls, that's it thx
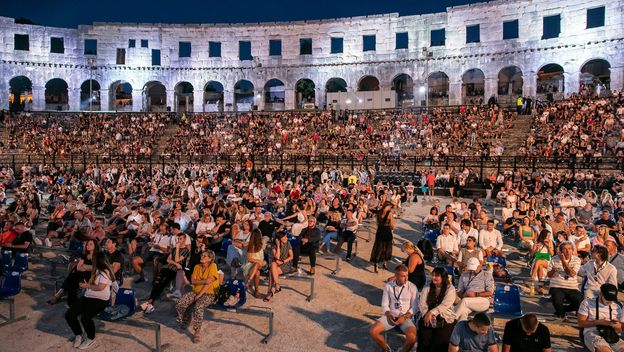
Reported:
(115, 259)
(605, 220)
(267, 225)
(526, 334)
(310, 241)
(24, 238)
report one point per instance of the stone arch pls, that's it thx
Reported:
(183, 97)
(550, 83)
(334, 85)
(368, 83)
(473, 86)
(438, 89)
(305, 92)
(154, 96)
(274, 95)
(20, 94)
(90, 95)
(596, 75)
(120, 96)
(243, 95)
(403, 85)
(510, 81)
(56, 95)
(213, 96)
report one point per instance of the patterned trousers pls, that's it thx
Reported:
(198, 312)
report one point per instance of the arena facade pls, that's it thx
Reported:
(464, 55)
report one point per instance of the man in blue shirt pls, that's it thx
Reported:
(474, 335)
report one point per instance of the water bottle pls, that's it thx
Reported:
(532, 288)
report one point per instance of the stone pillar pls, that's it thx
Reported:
(228, 98)
(319, 97)
(529, 80)
(617, 78)
(170, 94)
(74, 99)
(259, 101)
(4, 95)
(137, 100)
(289, 98)
(38, 93)
(198, 101)
(104, 100)
(490, 87)
(455, 93)
(571, 82)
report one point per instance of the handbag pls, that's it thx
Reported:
(607, 332)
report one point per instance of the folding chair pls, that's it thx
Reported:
(7, 260)
(507, 301)
(20, 263)
(236, 287)
(11, 286)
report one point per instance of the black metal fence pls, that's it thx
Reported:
(480, 165)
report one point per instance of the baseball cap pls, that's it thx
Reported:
(609, 291)
(472, 264)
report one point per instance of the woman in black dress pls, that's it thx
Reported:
(415, 265)
(382, 248)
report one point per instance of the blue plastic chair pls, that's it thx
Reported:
(76, 247)
(225, 243)
(20, 263)
(236, 287)
(7, 260)
(507, 300)
(294, 242)
(127, 297)
(497, 260)
(11, 285)
(432, 236)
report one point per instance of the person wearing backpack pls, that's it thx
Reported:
(601, 320)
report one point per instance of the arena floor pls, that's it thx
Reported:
(337, 319)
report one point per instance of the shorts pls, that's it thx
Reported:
(408, 323)
(593, 340)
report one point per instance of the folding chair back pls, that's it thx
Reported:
(507, 300)
(127, 297)
(20, 263)
(237, 287)
(7, 260)
(11, 285)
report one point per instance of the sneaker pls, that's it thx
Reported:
(299, 272)
(348, 259)
(176, 294)
(77, 341)
(86, 344)
(47, 242)
(38, 242)
(150, 309)
(144, 306)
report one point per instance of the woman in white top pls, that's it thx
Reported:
(205, 225)
(95, 299)
(437, 316)
(236, 252)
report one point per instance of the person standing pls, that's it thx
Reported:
(382, 248)
(526, 334)
(399, 304)
(562, 271)
(93, 302)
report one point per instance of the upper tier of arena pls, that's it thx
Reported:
(464, 55)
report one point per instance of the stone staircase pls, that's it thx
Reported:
(515, 138)
(161, 144)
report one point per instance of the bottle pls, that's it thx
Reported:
(532, 289)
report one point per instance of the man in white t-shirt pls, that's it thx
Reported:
(491, 241)
(466, 231)
(399, 303)
(562, 271)
(447, 245)
(610, 314)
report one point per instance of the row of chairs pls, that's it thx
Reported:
(11, 281)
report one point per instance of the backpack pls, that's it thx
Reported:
(426, 248)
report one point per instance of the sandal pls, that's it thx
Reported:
(268, 297)
(278, 289)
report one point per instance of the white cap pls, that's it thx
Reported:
(472, 264)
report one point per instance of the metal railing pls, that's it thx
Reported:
(395, 164)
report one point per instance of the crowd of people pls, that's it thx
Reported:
(459, 131)
(192, 227)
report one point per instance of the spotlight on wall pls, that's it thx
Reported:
(360, 101)
(348, 101)
(422, 89)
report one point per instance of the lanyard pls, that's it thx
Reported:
(398, 298)
(596, 271)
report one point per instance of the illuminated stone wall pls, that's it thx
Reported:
(571, 50)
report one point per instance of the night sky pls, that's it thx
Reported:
(71, 13)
